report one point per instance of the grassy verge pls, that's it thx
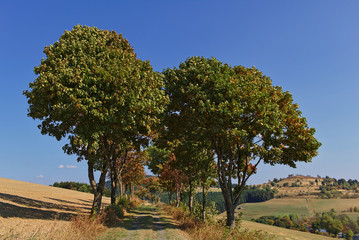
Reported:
(211, 231)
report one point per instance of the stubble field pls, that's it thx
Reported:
(28, 209)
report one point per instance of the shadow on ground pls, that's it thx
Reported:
(9, 210)
(144, 218)
(30, 208)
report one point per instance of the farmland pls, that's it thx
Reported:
(303, 207)
(29, 208)
(34, 211)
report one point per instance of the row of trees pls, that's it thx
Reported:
(206, 119)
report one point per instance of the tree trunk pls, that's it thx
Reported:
(230, 218)
(132, 190)
(113, 174)
(228, 205)
(97, 189)
(204, 203)
(190, 197)
(120, 184)
(169, 197)
(178, 196)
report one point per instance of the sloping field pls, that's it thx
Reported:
(303, 207)
(282, 233)
(28, 208)
(277, 207)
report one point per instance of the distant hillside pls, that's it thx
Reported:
(315, 187)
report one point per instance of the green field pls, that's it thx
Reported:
(301, 206)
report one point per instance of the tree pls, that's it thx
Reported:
(133, 171)
(349, 235)
(163, 163)
(153, 186)
(92, 89)
(244, 119)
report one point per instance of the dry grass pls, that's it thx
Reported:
(80, 227)
(211, 231)
(282, 233)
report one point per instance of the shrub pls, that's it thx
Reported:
(211, 210)
(116, 209)
(112, 214)
(210, 230)
(124, 203)
(135, 202)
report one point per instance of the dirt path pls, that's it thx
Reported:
(309, 207)
(146, 222)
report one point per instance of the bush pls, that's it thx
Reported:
(211, 210)
(124, 203)
(116, 209)
(112, 214)
(210, 230)
(135, 202)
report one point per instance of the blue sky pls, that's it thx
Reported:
(310, 48)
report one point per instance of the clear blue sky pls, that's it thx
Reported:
(311, 48)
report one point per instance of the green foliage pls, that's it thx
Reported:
(248, 196)
(349, 235)
(332, 223)
(287, 221)
(241, 116)
(158, 156)
(82, 187)
(92, 89)
(117, 209)
(91, 83)
(211, 211)
(123, 202)
(327, 192)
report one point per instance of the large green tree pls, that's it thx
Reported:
(92, 89)
(242, 116)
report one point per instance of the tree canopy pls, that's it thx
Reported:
(92, 89)
(243, 117)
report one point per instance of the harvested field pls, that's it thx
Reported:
(28, 209)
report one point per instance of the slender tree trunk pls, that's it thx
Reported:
(178, 196)
(132, 190)
(225, 184)
(169, 197)
(113, 181)
(190, 197)
(120, 185)
(204, 203)
(97, 189)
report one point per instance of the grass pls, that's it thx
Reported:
(140, 224)
(212, 231)
(276, 207)
(80, 227)
(339, 205)
(300, 206)
(282, 233)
